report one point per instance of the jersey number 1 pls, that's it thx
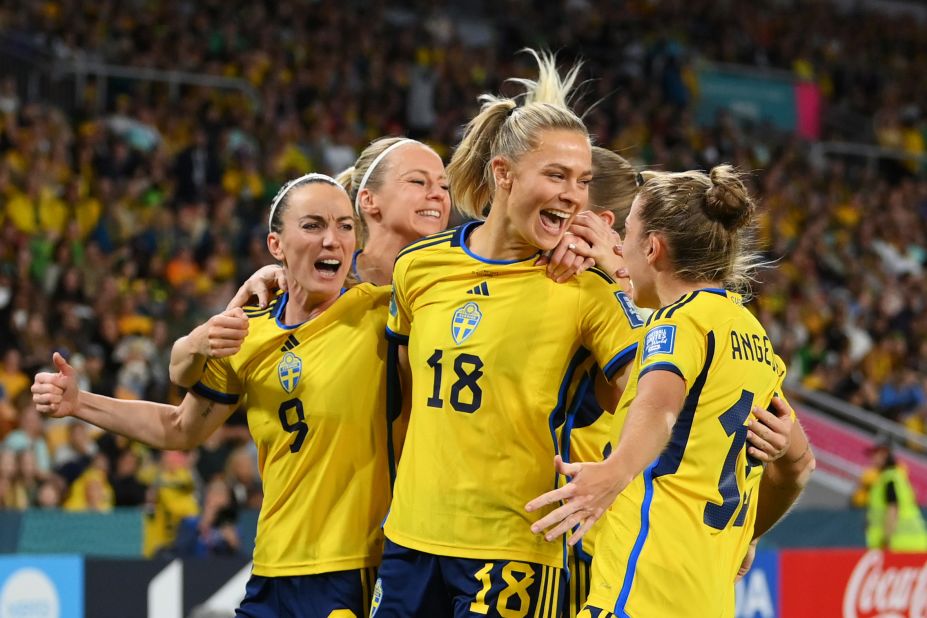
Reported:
(469, 370)
(298, 426)
(719, 515)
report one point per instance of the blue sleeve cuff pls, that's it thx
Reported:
(619, 360)
(664, 366)
(396, 337)
(224, 398)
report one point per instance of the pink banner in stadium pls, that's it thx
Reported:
(808, 110)
(853, 583)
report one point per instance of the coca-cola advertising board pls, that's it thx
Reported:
(852, 583)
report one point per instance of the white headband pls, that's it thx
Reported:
(376, 161)
(293, 183)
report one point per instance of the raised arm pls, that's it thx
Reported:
(158, 425)
(221, 336)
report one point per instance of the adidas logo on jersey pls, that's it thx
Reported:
(480, 290)
(290, 343)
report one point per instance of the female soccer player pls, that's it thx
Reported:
(399, 189)
(589, 430)
(321, 445)
(688, 494)
(492, 344)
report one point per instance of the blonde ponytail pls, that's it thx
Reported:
(502, 128)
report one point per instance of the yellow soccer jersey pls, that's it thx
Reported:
(493, 348)
(672, 542)
(588, 432)
(314, 395)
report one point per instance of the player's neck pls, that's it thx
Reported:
(497, 239)
(670, 288)
(302, 306)
(375, 261)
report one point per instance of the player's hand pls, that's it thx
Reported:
(56, 394)
(565, 260)
(586, 497)
(770, 433)
(600, 242)
(747, 562)
(223, 334)
(264, 283)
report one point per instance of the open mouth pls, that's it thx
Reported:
(554, 220)
(429, 213)
(328, 268)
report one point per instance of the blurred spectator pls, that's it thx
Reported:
(13, 380)
(128, 490)
(12, 493)
(91, 491)
(212, 456)
(242, 477)
(49, 495)
(894, 520)
(171, 498)
(30, 437)
(79, 445)
(214, 531)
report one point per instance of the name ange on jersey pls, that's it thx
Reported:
(753, 347)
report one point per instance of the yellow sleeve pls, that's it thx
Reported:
(219, 382)
(399, 323)
(610, 325)
(674, 344)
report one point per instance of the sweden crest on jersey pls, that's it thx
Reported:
(465, 321)
(288, 371)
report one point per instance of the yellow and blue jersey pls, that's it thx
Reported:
(314, 395)
(587, 436)
(493, 347)
(674, 539)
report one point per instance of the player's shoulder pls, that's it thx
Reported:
(368, 294)
(429, 245)
(696, 306)
(254, 312)
(595, 277)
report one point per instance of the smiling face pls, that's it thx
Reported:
(316, 240)
(637, 247)
(411, 198)
(548, 186)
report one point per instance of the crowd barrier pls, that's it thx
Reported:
(813, 583)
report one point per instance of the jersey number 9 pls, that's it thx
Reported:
(298, 426)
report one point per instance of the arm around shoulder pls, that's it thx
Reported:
(221, 336)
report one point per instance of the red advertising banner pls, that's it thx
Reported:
(852, 583)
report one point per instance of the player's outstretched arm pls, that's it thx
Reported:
(221, 336)
(594, 486)
(264, 283)
(783, 479)
(158, 425)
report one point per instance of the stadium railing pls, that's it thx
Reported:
(841, 435)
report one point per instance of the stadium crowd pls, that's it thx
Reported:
(123, 226)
